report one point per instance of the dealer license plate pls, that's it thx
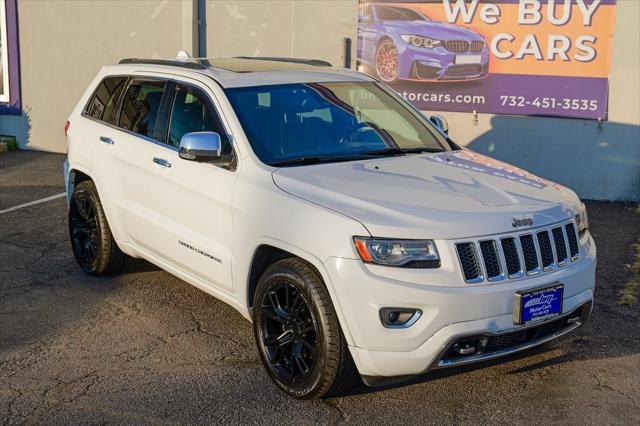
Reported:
(538, 304)
(467, 59)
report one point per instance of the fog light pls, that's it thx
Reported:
(399, 317)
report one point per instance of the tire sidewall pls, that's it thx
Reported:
(86, 192)
(312, 384)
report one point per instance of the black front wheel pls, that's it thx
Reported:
(93, 244)
(299, 339)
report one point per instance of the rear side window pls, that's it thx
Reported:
(140, 107)
(192, 111)
(103, 105)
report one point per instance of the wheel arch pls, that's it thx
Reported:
(268, 252)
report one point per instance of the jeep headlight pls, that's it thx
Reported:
(582, 220)
(419, 41)
(390, 252)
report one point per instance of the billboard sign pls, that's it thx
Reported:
(525, 57)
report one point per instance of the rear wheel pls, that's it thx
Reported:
(93, 245)
(296, 328)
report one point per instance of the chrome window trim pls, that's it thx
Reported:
(131, 76)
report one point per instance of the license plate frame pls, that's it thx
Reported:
(538, 304)
(467, 59)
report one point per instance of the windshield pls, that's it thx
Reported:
(386, 13)
(330, 122)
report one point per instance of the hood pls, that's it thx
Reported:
(435, 30)
(447, 195)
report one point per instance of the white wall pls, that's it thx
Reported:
(311, 29)
(63, 44)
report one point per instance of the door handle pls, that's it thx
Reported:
(161, 161)
(106, 140)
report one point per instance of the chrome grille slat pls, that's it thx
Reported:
(572, 239)
(491, 260)
(521, 253)
(469, 262)
(560, 246)
(546, 250)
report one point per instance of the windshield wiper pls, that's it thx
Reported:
(400, 151)
(306, 161)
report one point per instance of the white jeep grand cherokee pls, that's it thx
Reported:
(347, 227)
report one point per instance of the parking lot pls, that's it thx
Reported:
(145, 347)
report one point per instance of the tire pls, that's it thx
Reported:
(93, 244)
(292, 302)
(386, 61)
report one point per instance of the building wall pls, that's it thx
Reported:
(290, 28)
(601, 163)
(63, 44)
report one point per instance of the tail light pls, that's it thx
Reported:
(66, 127)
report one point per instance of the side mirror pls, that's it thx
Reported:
(441, 123)
(201, 146)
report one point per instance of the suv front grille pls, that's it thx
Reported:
(469, 261)
(513, 256)
(546, 252)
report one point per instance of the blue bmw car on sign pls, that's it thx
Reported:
(402, 44)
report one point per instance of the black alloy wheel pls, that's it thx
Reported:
(288, 332)
(296, 328)
(93, 244)
(84, 230)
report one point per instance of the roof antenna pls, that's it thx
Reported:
(183, 54)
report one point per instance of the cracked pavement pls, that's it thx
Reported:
(145, 347)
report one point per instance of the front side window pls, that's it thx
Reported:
(329, 120)
(140, 107)
(103, 105)
(193, 112)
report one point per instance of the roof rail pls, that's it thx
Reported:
(315, 62)
(191, 64)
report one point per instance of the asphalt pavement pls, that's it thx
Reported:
(145, 347)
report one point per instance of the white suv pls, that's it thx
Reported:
(347, 227)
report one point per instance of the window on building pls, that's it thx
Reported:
(140, 107)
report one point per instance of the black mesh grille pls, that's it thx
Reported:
(529, 252)
(561, 247)
(469, 261)
(546, 253)
(573, 240)
(511, 256)
(463, 70)
(490, 257)
(457, 46)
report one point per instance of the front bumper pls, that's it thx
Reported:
(439, 64)
(449, 312)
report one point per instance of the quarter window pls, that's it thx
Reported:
(104, 102)
(141, 106)
(193, 112)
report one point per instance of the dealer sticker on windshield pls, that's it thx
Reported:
(538, 304)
